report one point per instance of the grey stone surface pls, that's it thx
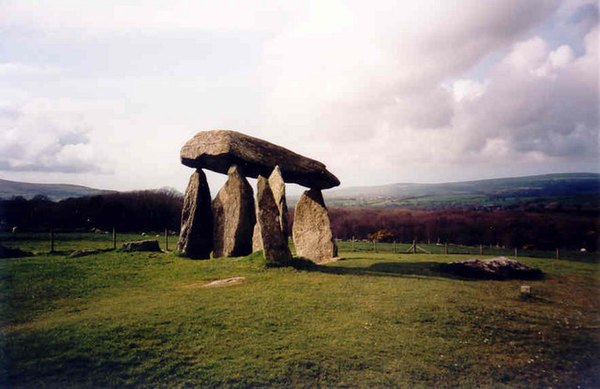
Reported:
(196, 237)
(218, 150)
(312, 228)
(274, 244)
(498, 268)
(233, 217)
(256, 238)
(277, 186)
(141, 245)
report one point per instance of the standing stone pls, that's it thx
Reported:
(234, 217)
(256, 238)
(312, 229)
(275, 248)
(277, 186)
(196, 237)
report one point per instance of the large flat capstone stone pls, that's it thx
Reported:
(218, 150)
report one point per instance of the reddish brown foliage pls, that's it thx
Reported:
(543, 230)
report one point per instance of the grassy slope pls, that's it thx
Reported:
(376, 319)
(55, 192)
(568, 189)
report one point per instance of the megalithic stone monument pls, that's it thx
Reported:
(274, 243)
(219, 150)
(256, 239)
(196, 237)
(277, 186)
(233, 217)
(312, 229)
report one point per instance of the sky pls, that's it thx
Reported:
(105, 93)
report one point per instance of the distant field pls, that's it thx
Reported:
(374, 319)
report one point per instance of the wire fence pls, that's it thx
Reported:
(66, 242)
(63, 242)
(456, 249)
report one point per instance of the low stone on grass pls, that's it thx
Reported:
(86, 252)
(141, 245)
(498, 268)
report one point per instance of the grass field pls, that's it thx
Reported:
(374, 319)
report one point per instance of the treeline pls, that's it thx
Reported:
(157, 210)
(541, 230)
(126, 211)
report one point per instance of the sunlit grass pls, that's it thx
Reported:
(375, 319)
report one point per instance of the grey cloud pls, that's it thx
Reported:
(53, 167)
(42, 137)
(74, 137)
(556, 115)
(411, 95)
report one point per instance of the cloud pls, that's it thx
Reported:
(392, 84)
(538, 100)
(386, 63)
(46, 136)
(111, 15)
(16, 68)
(380, 92)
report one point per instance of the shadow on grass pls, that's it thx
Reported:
(426, 269)
(381, 269)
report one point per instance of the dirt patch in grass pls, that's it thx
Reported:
(223, 282)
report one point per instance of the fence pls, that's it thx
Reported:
(455, 249)
(66, 242)
(62, 242)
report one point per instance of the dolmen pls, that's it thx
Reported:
(235, 223)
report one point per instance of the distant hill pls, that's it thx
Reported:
(55, 192)
(551, 190)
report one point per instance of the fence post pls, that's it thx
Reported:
(51, 240)
(352, 243)
(166, 239)
(480, 249)
(516, 253)
(114, 238)
(446, 248)
(374, 246)
(414, 247)
(394, 247)
(557, 256)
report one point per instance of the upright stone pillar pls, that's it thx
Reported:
(277, 186)
(312, 228)
(256, 238)
(196, 236)
(234, 217)
(274, 244)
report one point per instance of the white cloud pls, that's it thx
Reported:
(15, 68)
(111, 15)
(46, 136)
(380, 92)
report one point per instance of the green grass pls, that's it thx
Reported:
(370, 247)
(374, 319)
